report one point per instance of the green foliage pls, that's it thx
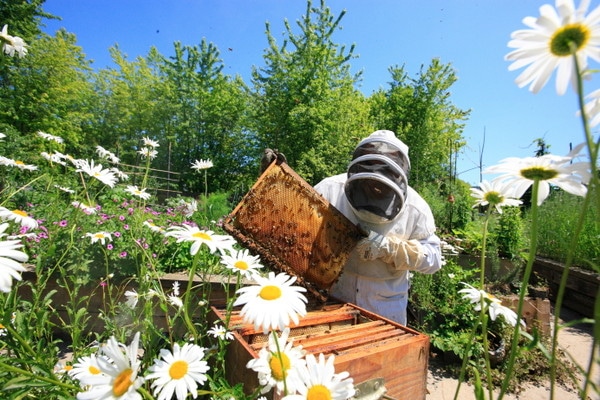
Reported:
(304, 102)
(559, 213)
(509, 234)
(420, 112)
(451, 205)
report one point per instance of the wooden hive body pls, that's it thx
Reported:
(366, 345)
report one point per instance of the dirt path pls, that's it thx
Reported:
(576, 341)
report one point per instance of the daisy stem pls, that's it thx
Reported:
(280, 359)
(514, 348)
(8, 367)
(463, 368)
(483, 312)
(22, 188)
(593, 186)
(145, 393)
(188, 295)
(205, 186)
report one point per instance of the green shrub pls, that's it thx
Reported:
(559, 213)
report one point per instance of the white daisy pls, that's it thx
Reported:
(54, 157)
(103, 175)
(21, 165)
(153, 227)
(497, 194)
(132, 298)
(176, 288)
(150, 143)
(202, 164)
(547, 169)
(141, 193)
(120, 174)
(220, 332)
(175, 301)
(119, 373)
(50, 137)
(85, 367)
(101, 237)
(319, 380)
(10, 260)
(278, 363)
(187, 209)
(273, 303)
(12, 45)
(64, 189)
(179, 372)
(2, 136)
(18, 216)
(243, 262)
(148, 152)
(86, 209)
(198, 237)
(103, 153)
(592, 108)
(546, 46)
(494, 305)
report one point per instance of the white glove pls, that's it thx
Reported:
(403, 254)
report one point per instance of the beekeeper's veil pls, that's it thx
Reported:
(378, 177)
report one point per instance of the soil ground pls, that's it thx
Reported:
(576, 341)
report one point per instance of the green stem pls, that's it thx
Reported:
(514, 348)
(281, 364)
(463, 368)
(8, 367)
(592, 190)
(483, 312)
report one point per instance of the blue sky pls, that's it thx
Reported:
(472, 35)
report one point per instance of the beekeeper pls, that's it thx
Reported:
(374, 193)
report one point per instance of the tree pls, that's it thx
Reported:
(49, 91)
(304, 98)
(206, 114)
(420, 112)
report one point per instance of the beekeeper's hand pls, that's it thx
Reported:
(391, 249)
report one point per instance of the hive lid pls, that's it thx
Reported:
(294, 229)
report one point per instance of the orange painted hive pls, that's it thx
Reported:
(364, 344)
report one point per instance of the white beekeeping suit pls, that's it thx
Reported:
(374, 194)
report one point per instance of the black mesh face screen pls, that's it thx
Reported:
(375, 196)
(385, 149)
(376, 184)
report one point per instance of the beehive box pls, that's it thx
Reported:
(294, 229)
(366, 345)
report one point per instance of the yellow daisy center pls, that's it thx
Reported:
(2, 326)
(122, 382)
(243, 265)
(202, 235)
(270, 292)
(93, 370)
(20, 213)
(19, 162)
(538, 173)
(99, 235)
(68, 367)
(279, 364)
(178, 369)
(576, 35)
(318, 392)
(493, 197)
